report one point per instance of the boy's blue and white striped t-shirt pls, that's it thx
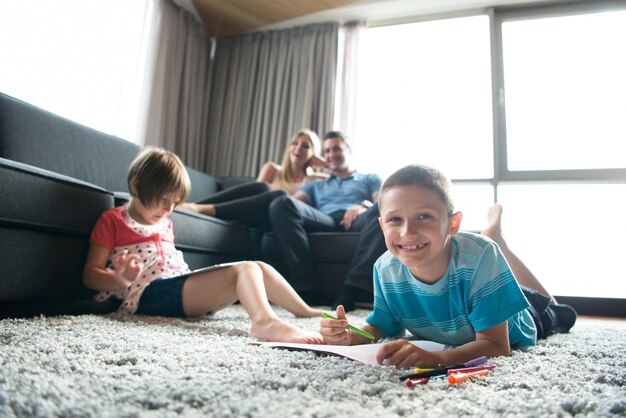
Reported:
(477, 292)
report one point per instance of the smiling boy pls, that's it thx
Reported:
(440, 284)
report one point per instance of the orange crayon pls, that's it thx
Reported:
(462, 377)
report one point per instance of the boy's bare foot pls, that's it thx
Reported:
(279, 331)
(522, 274)
(494, 220)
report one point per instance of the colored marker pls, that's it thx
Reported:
(410, 383)
(423, 369)
(462, 377)
(472, 369)
(427, 373)
(476, 362)
(352, 327)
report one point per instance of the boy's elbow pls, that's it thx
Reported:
(506, 350)
(496, 348)
(498, 352)
(503, 350)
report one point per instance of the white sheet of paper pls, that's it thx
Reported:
(365, 353)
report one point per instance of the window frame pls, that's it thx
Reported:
(498, 16)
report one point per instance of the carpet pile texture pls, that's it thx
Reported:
(100, 366)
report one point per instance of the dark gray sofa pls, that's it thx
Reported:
(57, 177)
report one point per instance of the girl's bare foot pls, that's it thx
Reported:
(311, 313)
(279, 331)
(494, 220)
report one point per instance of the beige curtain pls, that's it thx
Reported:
(346, 95)
(177, 108)
(266, 86)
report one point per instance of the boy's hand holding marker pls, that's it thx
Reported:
(337, 331)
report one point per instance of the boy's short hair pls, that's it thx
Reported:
(156, 172)
(424, 176)
(337, 134)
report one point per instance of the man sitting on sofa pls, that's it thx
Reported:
(346, 201)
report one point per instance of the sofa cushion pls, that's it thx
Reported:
(326, 247)
(199, 233)
(202, 185)
(332, 253)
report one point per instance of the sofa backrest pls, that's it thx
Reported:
(202, 185)
(33, 136)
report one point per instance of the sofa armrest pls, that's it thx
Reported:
(45, 222)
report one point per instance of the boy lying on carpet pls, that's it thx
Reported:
(132, 257)
(456, 288)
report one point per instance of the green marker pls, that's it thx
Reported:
(352, 327)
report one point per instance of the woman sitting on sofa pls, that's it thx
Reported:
(248, 202)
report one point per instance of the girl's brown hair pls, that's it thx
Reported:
(156, 172)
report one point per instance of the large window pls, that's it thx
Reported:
(425, 94)
(524, 106)
(82, 59)
(565, 85)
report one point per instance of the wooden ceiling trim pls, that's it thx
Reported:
(232, 17)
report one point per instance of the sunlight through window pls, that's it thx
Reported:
(424, 96)
(565, 90)
(82, 59)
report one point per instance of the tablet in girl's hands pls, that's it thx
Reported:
(209, 268)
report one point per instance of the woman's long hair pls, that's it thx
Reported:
(284, 177)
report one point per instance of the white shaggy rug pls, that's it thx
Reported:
(97, 366)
